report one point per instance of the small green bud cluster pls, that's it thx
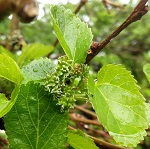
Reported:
(67, 80)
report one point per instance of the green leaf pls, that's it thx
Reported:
(33, 51)
(38, 70)
(79, 140)
(5, 104)
(5, 51)
(91, 85)
(146, 70)
(148, 112)
(35, 122)
(9, 69)
(74, 36)
(119, 105)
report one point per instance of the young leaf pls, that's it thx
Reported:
(79, 140)
(74, 36)
(9, 69)
(35, 122)
(33, 51)
(146, 70)
(38, 70)
(119, 105)
(5, 104)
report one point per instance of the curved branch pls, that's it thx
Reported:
(86, 111)
(75, 117)
(139, 11)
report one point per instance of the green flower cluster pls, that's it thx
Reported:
(67, 80)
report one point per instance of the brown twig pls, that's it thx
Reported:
(79, 118)
(113, 4)
(101, 133)
(106, 145)
(86, 111)
(101, 143)
(139, 11)
(81, 4)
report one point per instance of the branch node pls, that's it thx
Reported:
(139, 11)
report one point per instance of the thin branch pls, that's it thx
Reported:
(102, 133)
(113, 4)
(101, 143)
(86, 111)
(139, 11)
(82, 3)
(78, 118)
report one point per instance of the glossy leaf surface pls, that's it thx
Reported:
(34, 121)
(79, 140)
(74, 36)
(119, 105)
(9, 69)
(38, 70)
(33, 51)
